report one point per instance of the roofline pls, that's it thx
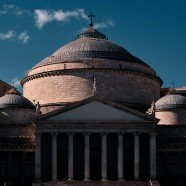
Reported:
(6, 83)
(95, 98)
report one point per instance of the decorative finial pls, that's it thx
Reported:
(91, 22)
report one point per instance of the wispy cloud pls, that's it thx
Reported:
(106, 24)
(12, 35)
(16, 82)
(13, 9)
(42, 17)
(23, 37)
(7, 35)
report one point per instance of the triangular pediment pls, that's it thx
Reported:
(96, 111)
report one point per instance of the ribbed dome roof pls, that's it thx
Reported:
(12, 99)
(88, 45)
(171, 101)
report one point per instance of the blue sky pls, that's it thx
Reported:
(153, 30)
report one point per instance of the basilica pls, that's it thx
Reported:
(92, 114)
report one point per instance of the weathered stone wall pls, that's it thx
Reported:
(172, 117)
(25, 131)
(78, 85)
(16, 116)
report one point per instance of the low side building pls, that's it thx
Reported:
(16, 139)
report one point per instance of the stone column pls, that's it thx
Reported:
(153, 155)
(181, 167)
(166, 164)
(54, 156)
(136, 156)
(70, 157)
(87, 157)
(104, 157)
(22, 166)
(9, 165)
(38, 157)
(120, 156)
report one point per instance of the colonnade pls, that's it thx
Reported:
(120, 169)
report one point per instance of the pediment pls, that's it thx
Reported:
(96, 111)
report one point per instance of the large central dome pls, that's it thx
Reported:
(90, 62)
(90, 45)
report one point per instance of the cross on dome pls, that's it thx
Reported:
(91, 16)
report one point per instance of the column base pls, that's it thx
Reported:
(120, 179)
(70, 179)
(36, 183)
(153, 179)
(137, 179)
(87, 179)
(104, 179)
(154, 183)
(54, 180)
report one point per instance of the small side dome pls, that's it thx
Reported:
(171, 109)
(13, 99)
(16, 109)
(171, 101)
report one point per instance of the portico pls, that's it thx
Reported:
(137, 127)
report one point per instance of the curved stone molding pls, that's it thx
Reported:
(69, 71)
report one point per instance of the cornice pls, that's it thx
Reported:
(111, 127)
(82, 70)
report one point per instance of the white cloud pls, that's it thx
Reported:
(16, 82)
(8, 35)
(13, 9)
(23, 37)
(106, 24)
(43, 17)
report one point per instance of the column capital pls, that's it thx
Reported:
(136, 133)
(70, 134)
(121, 133)
(53, 133)
(152, 133)
(104, 133)
(87, 133)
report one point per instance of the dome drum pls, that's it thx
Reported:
(77, 85)
(172, 117)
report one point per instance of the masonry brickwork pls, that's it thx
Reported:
(172, 117)
(78, 85)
